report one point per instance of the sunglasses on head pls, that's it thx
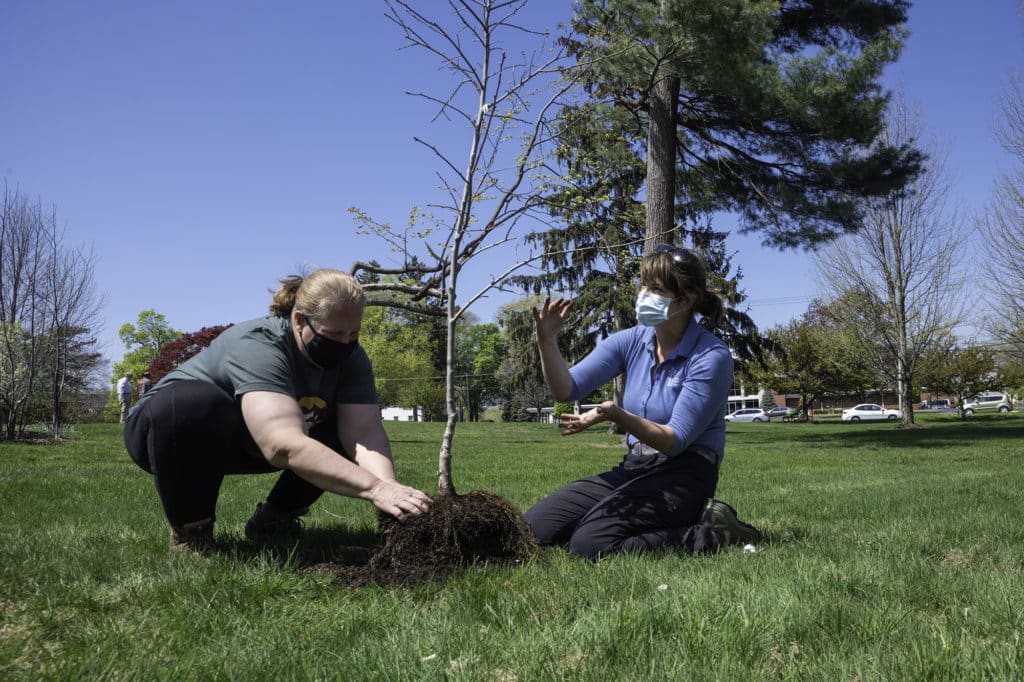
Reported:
(679, 254)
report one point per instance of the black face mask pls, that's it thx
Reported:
(327, 352)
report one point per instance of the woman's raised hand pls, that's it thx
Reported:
(551, 317)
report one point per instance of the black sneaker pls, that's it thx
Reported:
(270, 523)
(722, 519)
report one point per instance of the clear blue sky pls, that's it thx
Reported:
(205, 149)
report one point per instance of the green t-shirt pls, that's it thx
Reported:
(261, 355)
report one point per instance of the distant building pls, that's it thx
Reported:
(547, 414)
(400, 414)
(741, 397)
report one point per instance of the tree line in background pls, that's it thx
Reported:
(645, 120)
(897, 291)
(817, 356)
(496, 365)
(829, 353)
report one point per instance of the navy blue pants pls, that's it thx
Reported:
(189, 435)
(647, 502)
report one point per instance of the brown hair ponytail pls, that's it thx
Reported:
(712, 307)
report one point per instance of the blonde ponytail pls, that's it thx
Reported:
(316, 293)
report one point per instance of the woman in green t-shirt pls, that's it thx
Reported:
(292, 392)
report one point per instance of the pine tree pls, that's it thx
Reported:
(772, 110)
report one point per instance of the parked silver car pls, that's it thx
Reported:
(781, 412)
(748, 414)
(988, 402)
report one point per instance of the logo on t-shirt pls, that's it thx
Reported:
(314, 411)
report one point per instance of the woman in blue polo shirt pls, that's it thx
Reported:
(678, 377)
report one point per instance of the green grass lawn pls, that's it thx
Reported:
(888, 555)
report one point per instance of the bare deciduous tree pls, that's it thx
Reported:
(904, 261)
(1003, 230)
(21, 261)
(48, 309)
(71, 305)
(496, 187)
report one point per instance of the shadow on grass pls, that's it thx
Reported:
(339, 545)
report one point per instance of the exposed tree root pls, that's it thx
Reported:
(477, 528)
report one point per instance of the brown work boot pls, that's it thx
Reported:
(194, 538)
(269, 523)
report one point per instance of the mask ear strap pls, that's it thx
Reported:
(306, 322)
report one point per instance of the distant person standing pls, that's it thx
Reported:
(145, 383)
(124, 394)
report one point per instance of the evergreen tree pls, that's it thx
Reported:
(772, 110)
(769, 110)
(592, 252)
(737, 328)
(522, 381)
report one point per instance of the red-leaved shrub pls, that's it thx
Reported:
(181, 349)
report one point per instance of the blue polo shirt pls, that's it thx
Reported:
(689, 390)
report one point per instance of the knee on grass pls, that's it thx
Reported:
(587, 547)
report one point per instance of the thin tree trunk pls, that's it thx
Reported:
(463, 218)
(444, 460)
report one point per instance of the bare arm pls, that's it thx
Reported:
(362, 435)
(549, 320)
(275, 422)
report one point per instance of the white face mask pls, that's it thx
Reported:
(651, 309)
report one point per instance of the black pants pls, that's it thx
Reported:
(189, 435)
(646, 502)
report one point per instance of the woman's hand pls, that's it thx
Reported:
(400, 501)
(575, 423)
(551, 317)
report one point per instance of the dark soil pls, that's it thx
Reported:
(475, 529)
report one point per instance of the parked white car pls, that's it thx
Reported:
(870, 411)
(749, 414)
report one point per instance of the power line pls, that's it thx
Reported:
(781, 300)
